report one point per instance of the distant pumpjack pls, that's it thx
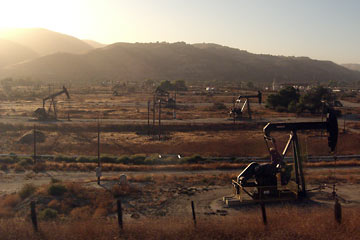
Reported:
(42, 114)
(238, 110)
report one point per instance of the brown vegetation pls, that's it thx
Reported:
(286, 223)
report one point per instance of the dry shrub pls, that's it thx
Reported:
(124, 190)
(6, 213)
(81, 213)
(4, 167)
(55, 204)
(27, 190)
(142, 178)
(10, 201)
(39, 167)
(18, 168)
(57, 189)
(48, 214)
(100, 213)
(76, 189)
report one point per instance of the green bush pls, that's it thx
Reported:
(193, 159)
(219, 106)
(108, 159)
(123, 159)
(86, 159)
(82, 159)
(138, 159)
(25, 162)
(19, 168)
(55, 180)
(48, 214)
(61, 158)
(4, 167)
(57, 189)
(8, 160)
(27, 190)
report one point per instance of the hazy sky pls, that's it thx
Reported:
(320, 29)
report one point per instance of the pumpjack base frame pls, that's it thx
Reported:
(259, 194)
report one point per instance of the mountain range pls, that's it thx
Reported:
(48, 56)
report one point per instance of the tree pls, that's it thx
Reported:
(312, 100)
(166, 85)
(149, 84)
(250, 85)
(180, 85)
(284, 100)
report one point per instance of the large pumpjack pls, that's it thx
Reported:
(239, 108)
(280, 180)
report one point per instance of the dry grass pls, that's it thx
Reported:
(283, 223)
(351, 176)
(85, 167)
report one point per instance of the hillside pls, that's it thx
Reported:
(11, 53)
(93, 43)
(352, 66)
(194, 63)
(45, 42)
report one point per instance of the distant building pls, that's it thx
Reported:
(300, 86)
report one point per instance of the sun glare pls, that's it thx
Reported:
(54, 15)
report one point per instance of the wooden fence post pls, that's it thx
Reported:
(193, 212)
(34, 144)
(33, 216)
(119, 213)
(337, 211)
(263, 212)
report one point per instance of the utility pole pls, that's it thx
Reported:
(234, 110)
(154, 106)
(34, 144)
(148, 118)
(174, 114)
(159, 119)
(98, 169)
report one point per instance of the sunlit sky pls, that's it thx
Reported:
(320, 29)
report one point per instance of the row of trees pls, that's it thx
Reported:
(290, 100)
(178, 85)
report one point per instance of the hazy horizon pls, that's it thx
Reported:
(324, 30)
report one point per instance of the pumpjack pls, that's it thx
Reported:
(280, 180)
(42, 114)
(238, 110)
